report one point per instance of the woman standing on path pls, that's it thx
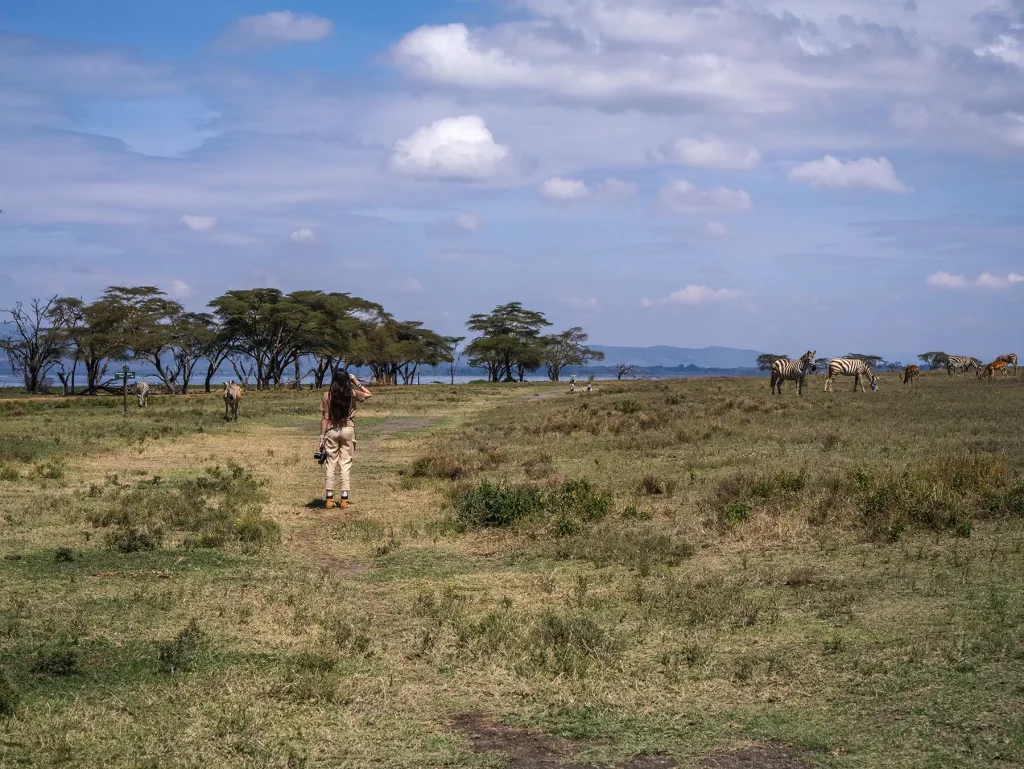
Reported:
(338, 431)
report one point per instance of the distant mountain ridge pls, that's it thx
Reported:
(670, 357)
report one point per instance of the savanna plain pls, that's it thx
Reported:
(681, 573)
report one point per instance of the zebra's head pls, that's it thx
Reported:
(874, 381)
(807, 361)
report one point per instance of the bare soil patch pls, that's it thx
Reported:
(530, 749)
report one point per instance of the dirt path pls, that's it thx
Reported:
(532, 749)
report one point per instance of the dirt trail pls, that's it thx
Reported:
(531, 749)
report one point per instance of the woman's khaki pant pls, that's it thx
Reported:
(341, 449)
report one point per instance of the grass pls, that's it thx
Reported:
(663, 567)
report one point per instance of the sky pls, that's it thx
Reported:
(780, 175)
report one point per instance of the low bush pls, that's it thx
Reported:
(180, 653)
(495, 505)
(216, 509)
(569, 643)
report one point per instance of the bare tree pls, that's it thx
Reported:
(624, 370)
(33, 345)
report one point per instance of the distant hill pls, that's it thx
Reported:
(670, 357)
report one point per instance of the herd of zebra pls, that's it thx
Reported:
(795, 370)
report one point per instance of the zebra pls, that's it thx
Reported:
(232, 394)
(142, 390)
(793, 370)
(854, 367)
(911, 374)
(1011, 359)
(965, 362)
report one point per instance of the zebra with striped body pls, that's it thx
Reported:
(142, 390)
(963, 362)
(1010, 359)
(232, 395)
(793, 370)
(854, 367)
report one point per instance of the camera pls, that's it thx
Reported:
(320, 456)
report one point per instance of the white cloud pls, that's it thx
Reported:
(708, 152)
(460, 148)
(946, 280)
(834, 174)
(179, 289)
(276, 28)
(694, 295)
(582, 303)
(716, 229)
(304, 236)
(467, 223)
(409, 286)
(615, 189)
(564, 190)
(199, 223)
(682, 197)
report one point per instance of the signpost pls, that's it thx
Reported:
(125, 376)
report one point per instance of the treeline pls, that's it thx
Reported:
(268, 338)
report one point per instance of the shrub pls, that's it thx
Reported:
(217, 508)
(9, 695)
(652, 485)
(180, 653)
(55, 662)
(445, 465)
(569, 643)
(490, 505)
(496, 505)
(628, 406)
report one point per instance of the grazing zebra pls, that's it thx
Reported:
(854, 367)
(992, 368)
(910, 374)
(793, 370)
(142, 390)
(1011, 359)
(232, 395)
(964, 362)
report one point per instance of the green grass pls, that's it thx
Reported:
(667, 567)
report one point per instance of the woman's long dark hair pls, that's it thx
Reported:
(340, 405)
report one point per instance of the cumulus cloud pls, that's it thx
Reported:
(694, 295)
(564, 190)
(709, 152)
(304, 236)
(199, 223)
(716, 229)
(458, 148)
(762, 58)
(276, 28)
(178, 289)
(950, 281)
(682, 197)
(834, 174)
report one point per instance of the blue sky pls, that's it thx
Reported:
(772, 174)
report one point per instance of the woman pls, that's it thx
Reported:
(338, 431)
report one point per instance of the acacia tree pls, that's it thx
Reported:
(193, 335)
(67, 315)
(624, 369)
(139, 324)
(33, 345)
(332, 331)
(396, 349)
(567, 349)
(765, 360)
(261, 324)
(933, 359)
(509, 343)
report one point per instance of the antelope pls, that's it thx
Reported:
(911, 374)
(992, 368)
